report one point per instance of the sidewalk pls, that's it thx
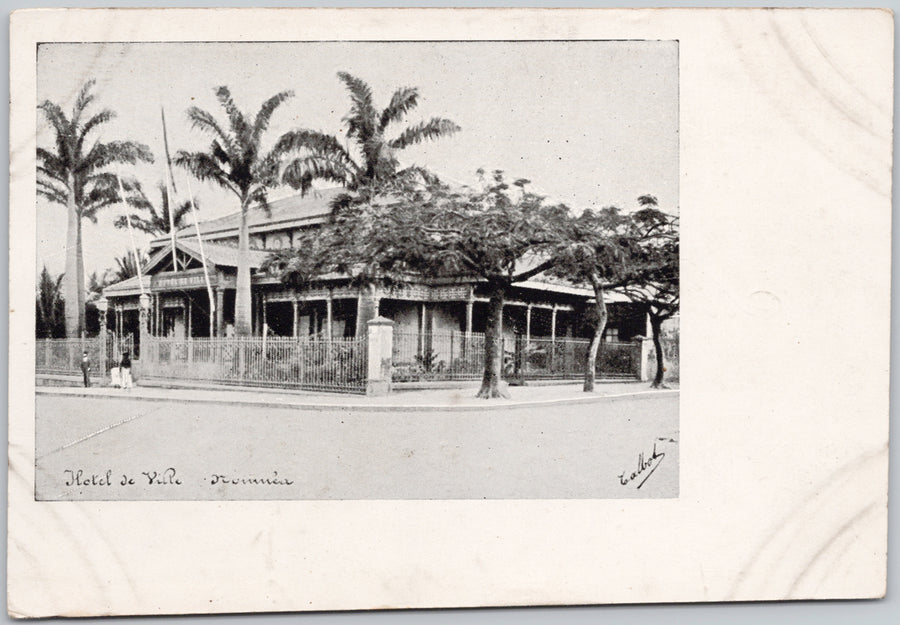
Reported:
(455, 399)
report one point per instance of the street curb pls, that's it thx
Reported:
(254, 403)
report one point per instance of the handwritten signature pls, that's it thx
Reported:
(646, 466)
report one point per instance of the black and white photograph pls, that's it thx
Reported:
(319, 310)
(357, 270)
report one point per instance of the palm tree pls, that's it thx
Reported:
(234, 161)
(126, 267)
(156, 222)
(324, 158)
(96, 282)
(49, 307)
(73, 176)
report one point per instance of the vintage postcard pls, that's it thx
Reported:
(361, 309)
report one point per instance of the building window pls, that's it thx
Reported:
(612, 335)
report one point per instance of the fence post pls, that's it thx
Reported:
(641, 352)
(380, 350)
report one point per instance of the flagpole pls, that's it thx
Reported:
(212, 303)
(170, 194)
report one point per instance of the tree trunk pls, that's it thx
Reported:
(242, 316)
(70, 279)
(590, 369)
(493, 348)
(82, 295)
(656, 324)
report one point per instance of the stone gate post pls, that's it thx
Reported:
(380, 348)
(642, 346)
(102, 307)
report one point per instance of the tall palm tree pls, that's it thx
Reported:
(235, 162)
(323, 157)
(72, 174)
(152, 221)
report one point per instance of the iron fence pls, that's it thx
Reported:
(419, 357)
(437, 356)
(336, 364)
(63, 356)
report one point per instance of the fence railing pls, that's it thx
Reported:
(63, 356)
(337, 364)
(421, 357)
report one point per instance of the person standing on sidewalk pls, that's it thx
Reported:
(86, 369)
(125, 371)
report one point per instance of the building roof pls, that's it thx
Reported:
(222, 255)
(131, 286)
(283, 213)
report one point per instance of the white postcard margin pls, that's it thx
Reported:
(785, 199)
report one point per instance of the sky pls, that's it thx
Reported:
(590, 123)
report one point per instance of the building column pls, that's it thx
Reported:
(553, 324)
(264, 326)
(528, 324)
(102, 307)
(553, 337)
(422, 328)
(159, 314)
(329, 313)
(189, 321)
(220, 312)
(212, 313)
(296, 318)
(469, 306)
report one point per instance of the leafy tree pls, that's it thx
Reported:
(73, 174)
(600, 250)
(235, 161)
(497, 235)
(374, 161)
(153, 220)
(49, 307)
(656, 280)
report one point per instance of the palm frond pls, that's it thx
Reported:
(205, 122)
(50, 166)
(237, 121)
(84, 99)
(55, 116)
(100, 118)
(103, 154)
(63, 130)
(51, 192)
(264, 116)
(301, 172)
(403, 101)
(362, 119)
(424, 131)
(204, 167)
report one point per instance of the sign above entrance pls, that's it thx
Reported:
(191, 279)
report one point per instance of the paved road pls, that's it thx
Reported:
(87, 447)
